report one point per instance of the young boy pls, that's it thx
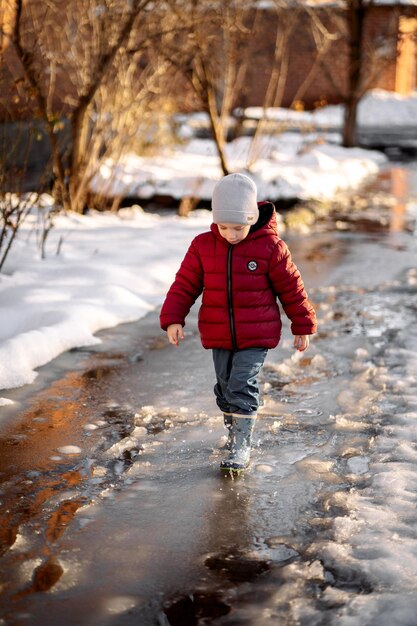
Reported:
(240, 266)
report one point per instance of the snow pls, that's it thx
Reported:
(287, 166)
(110, 269)
(376, 108)
(70, 450)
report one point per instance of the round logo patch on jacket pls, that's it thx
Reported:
(252, 265)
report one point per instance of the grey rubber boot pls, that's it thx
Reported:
(228, 423)
(239, 457)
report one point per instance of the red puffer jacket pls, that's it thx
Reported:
(240, 285)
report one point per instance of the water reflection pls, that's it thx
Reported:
(400, 190)
(37, 470)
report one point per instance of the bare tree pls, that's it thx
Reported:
(129, 117)
(219, 48)
(283, 20)
(66, 68)
(365, 57)
(356, 11)
(15, 202)
(210, 50)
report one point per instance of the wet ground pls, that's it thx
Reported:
(113, 510)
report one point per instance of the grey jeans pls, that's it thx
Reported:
(237, 389)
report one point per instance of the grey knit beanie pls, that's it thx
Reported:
(234, 200)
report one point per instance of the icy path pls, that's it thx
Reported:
(114, 511)
(372, 546)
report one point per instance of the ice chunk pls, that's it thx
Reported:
(70, 450)
(358, 464)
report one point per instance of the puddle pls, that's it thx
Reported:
(198, 607)
(237, 566)
(384, 205)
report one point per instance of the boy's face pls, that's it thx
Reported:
(233, 233)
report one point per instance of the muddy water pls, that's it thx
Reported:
(113, 510)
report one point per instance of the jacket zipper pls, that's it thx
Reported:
(230, 297)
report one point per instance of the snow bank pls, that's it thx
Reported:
(111, 269)
(377, 108)
(286, 166)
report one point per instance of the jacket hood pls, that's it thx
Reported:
(267, 221)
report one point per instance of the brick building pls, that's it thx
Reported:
(318, 55)
(313, 72)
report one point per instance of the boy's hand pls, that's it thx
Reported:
(301, 342)
(175, 334)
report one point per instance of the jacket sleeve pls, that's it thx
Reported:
(288, 285)
(184, 291)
